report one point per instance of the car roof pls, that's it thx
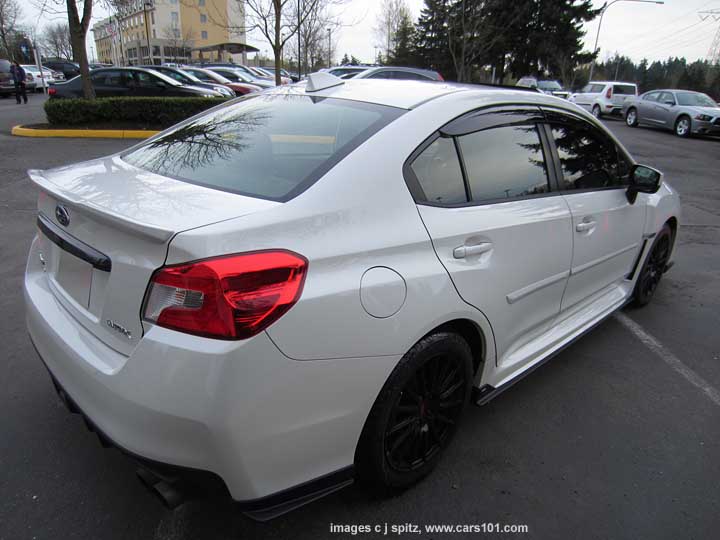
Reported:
(613, 82)
(410, 94)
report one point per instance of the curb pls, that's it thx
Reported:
(22, 131)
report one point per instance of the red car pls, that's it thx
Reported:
(206, 75)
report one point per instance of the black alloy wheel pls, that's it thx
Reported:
(416, 413)
(654, 267)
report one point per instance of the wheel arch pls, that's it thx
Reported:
(471, 333)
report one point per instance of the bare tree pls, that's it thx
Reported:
(79, 15)
(179, 42)
(56, 40)
(392, 14)
(312, 37)
(9, 15)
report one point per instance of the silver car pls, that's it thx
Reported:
(683, 111)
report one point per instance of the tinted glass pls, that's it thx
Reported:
(695, 99)
(270, 147)
(549, 85)
(588, 158)
(112, 78)
(438, 171)
(503, 163)
(409, 75)
(652, 96)
(624, 89)
(666, 97)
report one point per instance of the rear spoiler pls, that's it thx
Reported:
(151, 232)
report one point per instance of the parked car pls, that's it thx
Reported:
(339, 71)
(601, 97)
(183, 77)
(98, 65)
(67, 68)
(208, 76)
(7, 86)
(546, 86)
(129, 82)
(299, 289)
(49, 76)
(683, 111)
(406, 73)
(237, 76)
(284, 74)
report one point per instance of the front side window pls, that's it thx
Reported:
(588, 158)
(267, 146)
(666, 98)
(505, 162)
(439, 174)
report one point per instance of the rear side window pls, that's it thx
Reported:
(267, 146)
(439, 174)
(504, 163)
(589, 160)
(652, 96)
(625, 89)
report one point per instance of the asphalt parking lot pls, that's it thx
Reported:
(617, 437)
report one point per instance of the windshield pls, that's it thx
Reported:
(186, 75)
(695, 99)
(218, 78)
(549, 85)
(165, 78)
(267, 146)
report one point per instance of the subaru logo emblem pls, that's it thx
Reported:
(62, 215)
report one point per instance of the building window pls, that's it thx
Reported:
(152, 17)
(156, 50)
(173, 1)
(174, 19)
(154, 34)
(203, 18)
(201, 3)
(203, 34)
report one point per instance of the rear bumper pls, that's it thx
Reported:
(242, 410)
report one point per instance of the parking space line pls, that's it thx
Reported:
(669, 358)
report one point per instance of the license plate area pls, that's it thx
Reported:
(73, 276)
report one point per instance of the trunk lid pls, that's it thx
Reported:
(104, 227)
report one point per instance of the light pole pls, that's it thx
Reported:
(602, 14)
(329, 47)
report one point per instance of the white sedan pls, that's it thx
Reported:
(307, 286)
(49, 76)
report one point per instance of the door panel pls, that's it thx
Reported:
(515, 265)
(663, 111)
(607, 235)
(505, 239)
(606, 228)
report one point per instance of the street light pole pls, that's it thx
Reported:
(329, 47)
(602, 14)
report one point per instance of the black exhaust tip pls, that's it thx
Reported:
(168, 492)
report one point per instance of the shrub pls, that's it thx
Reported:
(136, 111)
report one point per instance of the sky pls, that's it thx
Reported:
(631, 28)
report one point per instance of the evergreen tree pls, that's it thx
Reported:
(345, 60)
(431, 38)
(403, 51)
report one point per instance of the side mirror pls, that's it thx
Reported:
(643, 179)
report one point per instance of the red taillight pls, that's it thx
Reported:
(608, 94)
(233, 297)
(52, 91)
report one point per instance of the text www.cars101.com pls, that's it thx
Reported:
(399, 529)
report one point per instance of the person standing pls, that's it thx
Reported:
(19, 78)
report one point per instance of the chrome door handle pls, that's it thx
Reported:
(466, 251)
(585, 226)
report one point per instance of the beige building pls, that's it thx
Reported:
(158, 31)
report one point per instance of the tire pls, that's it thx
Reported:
(596, 112)
(683, 127)
(410, 423)
(631, 118)
(653, 267)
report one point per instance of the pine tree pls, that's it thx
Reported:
(345, 60)
(403, 51)
(431, 38)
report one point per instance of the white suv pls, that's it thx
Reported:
(601, 97)
(308, 285)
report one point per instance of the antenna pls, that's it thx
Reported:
(321, 80)
(713, 55)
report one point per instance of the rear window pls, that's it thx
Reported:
(624, 89)
(266, 146)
